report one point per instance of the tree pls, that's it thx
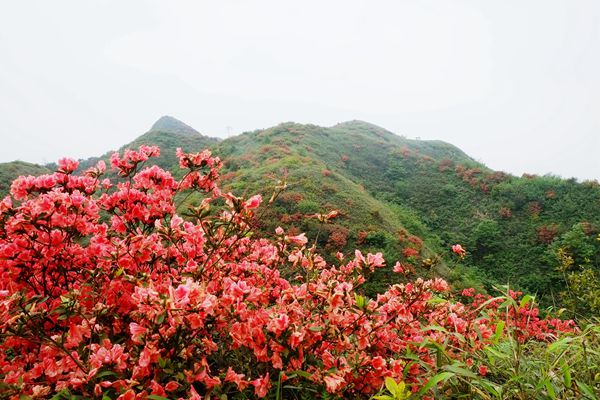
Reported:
(576, 254)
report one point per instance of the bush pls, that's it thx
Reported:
(308, 206)
(378, 239)
(107, 292)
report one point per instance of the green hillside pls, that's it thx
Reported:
(511, 226)
(318, 165)
(11, 170)
(167, 133)
(410, 199)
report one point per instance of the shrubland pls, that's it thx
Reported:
(409, 199)
(124, 289)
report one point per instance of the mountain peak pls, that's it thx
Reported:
(169, 124)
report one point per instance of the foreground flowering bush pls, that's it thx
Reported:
(108, 290)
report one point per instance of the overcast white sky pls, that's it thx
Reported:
(513, 83)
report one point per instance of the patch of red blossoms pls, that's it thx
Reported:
(105, 290)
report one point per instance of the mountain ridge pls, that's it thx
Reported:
(411, 199)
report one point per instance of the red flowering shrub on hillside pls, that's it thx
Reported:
(107, 291)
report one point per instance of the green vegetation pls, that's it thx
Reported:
(11, 170)
(411, 200)
(168, 134)
(507, 223)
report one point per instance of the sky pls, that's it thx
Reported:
(513, 83)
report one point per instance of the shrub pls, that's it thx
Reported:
(377, 239)
(108, 292)
(308, 206)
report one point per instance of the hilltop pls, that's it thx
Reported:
(168, 133)
(170, 124)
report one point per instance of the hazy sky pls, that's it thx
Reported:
(515, 84)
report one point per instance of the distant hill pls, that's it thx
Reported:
(411, 199)
(167, 133)
(11, 170)
(173, 125)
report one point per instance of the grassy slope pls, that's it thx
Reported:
(389, 187)
(333, 168)
(387, 182)
(11, 170)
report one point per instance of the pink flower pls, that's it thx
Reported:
(483, 370)
(299, 240)
(261, 385)
(194, 394)
(279, 324)
(128, 395)
(375, 260)
(67, 165)
(398, 268)
(333, 382)
(136, 331)
(253, 202)
(459, 250)
(378, 363)
(236, 378)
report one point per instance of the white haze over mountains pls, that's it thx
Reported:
(513, 83)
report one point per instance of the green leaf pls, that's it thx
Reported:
(400, 392)
(316, 328)
(489, 386)
(526, 299)
(63, 394)
(434, 328)
(550, 389)
(156, 397)
(436, 300)
(559, 344)
(587, 391)
(566, 370)
(460, 371)
(303, 374)
(498, 331)
(442, 376)
(391, 385)
(498, 354)
(105, 373)
(360, 301)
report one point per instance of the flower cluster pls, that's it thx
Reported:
(106, 291)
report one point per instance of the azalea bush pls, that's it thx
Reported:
(109, 289)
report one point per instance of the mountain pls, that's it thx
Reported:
(512, 226)
(172, 125)
(328, 169)
(410, 199)
(167, 133)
